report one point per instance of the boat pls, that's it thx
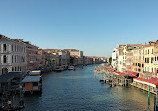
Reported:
(59, 68)
(71, 68)
(35, 73)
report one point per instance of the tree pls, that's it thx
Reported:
(110, 60)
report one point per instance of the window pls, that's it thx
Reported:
(148, 51)
(152, 60)
(139, 70)
(147, 60)
(4, 47)
(12, 59)
(139, 64)
(142, 65)
(5, 59)
(152, 51)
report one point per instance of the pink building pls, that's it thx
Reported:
(41, 58)
(32, 56)
(129, 61)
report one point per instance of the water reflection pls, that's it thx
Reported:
(81, 90)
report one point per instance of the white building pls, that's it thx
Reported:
(76, 55)
(120, 58)
(114, 57)
(12, 55)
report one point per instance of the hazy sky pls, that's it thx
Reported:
(94, 26)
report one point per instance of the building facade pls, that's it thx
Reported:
(76, 56)
(32, 56)
(12, 55)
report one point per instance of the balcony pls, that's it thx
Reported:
(6, 52)
(6, 64)
(155, 62)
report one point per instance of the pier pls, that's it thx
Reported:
(112, 77)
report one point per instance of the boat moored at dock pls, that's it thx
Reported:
(71, 68)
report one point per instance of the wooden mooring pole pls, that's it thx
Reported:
(156, 101)
(148, 94)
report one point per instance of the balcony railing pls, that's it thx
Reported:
(6, 64)
(6, 51)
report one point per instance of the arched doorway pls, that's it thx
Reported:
(4, 70)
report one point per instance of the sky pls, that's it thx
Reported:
(93, 26)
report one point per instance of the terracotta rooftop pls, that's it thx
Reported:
(53, 50)
(75, 50)
(2, 36)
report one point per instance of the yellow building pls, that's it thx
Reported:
(138, 59)
(155, 62)
(148, 59)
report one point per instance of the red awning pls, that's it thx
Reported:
(152, 80)
(131, 73)
(120, 73)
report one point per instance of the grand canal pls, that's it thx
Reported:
(80, 90)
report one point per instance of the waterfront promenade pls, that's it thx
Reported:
(80, 90)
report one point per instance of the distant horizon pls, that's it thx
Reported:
(79, 49)
(51, 48)
(95, 27)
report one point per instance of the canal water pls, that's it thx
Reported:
(80, 90)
